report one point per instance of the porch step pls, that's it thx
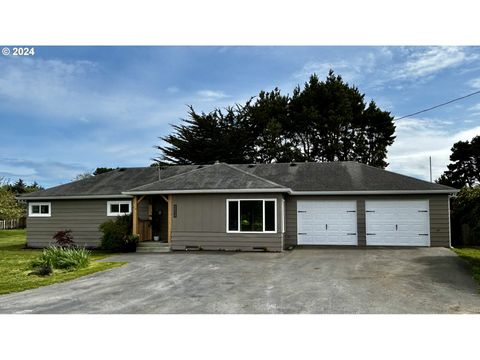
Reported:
(152, 247)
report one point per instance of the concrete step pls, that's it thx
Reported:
(152, 246)
(152, 250)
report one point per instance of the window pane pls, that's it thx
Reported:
(269, 215)
(251, 215)
(44, 209)
(124, 208)
(114, 208)
(233, 215)
(35, 209)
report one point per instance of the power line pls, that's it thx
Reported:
(439, 105)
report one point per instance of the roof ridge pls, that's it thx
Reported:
(255, 176)
(170, 177)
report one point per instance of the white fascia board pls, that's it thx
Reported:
(374, 192)
(79, 197)
(209, 191)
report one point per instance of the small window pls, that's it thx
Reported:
(39, 209)
(117, 208)
(251, 215)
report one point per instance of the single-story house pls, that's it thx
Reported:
(249, 206)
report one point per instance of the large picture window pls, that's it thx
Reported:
(251, 215)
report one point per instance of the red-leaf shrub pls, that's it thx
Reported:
(64, 238)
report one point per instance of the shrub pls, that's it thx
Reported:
(131, 243)
(465, 208)
(117, 235)
(57, 257)
(64, 238)
(42, 270)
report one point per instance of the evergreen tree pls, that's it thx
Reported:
(464, 169)
(325, 121)
(102, 170)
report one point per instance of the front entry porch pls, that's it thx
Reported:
(152, 218)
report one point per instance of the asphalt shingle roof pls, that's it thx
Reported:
(319, 177)
(111, 183)
(338, 176)
(212, 177)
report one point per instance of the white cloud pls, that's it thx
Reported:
(386, 65)
(62, 91)
(427, 62)
(173, 90)
(351, 70)
(209, 95)
(40, 170)
(40, 79)
(475, 83)
(475, 108)
(417, 140)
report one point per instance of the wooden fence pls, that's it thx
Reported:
(12, 224)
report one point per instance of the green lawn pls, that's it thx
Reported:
(14, 265)
(472, 255)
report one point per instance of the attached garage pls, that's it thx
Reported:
(324, 222)
(397, 223)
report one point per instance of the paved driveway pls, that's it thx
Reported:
(425, 280)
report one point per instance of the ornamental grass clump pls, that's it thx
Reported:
(57, 257)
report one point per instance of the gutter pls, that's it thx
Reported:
(374, 192)
(129, 194)
(77, 197)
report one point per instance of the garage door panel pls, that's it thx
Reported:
(326, 222)
(397, 223)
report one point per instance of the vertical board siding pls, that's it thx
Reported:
(291, 222)
(81, 216)
(202, 222)
(439, 221)
(439, 224)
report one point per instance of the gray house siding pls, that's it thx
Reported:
(81, 216)
(439, 224)
(201, 222)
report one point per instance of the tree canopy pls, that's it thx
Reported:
(323, 121)
(10, 207)
(464, 169)
(102, 170)
(20, 187)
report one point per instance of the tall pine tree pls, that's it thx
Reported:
(323, 121)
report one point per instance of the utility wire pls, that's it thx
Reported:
(437, 106)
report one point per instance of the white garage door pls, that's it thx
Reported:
(327, 222)
(397, 223)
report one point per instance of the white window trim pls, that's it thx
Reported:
(263, 209)
(119, 202)
(31, 214)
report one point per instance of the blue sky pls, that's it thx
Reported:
(68, 110)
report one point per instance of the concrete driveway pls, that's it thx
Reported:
(426, 280)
